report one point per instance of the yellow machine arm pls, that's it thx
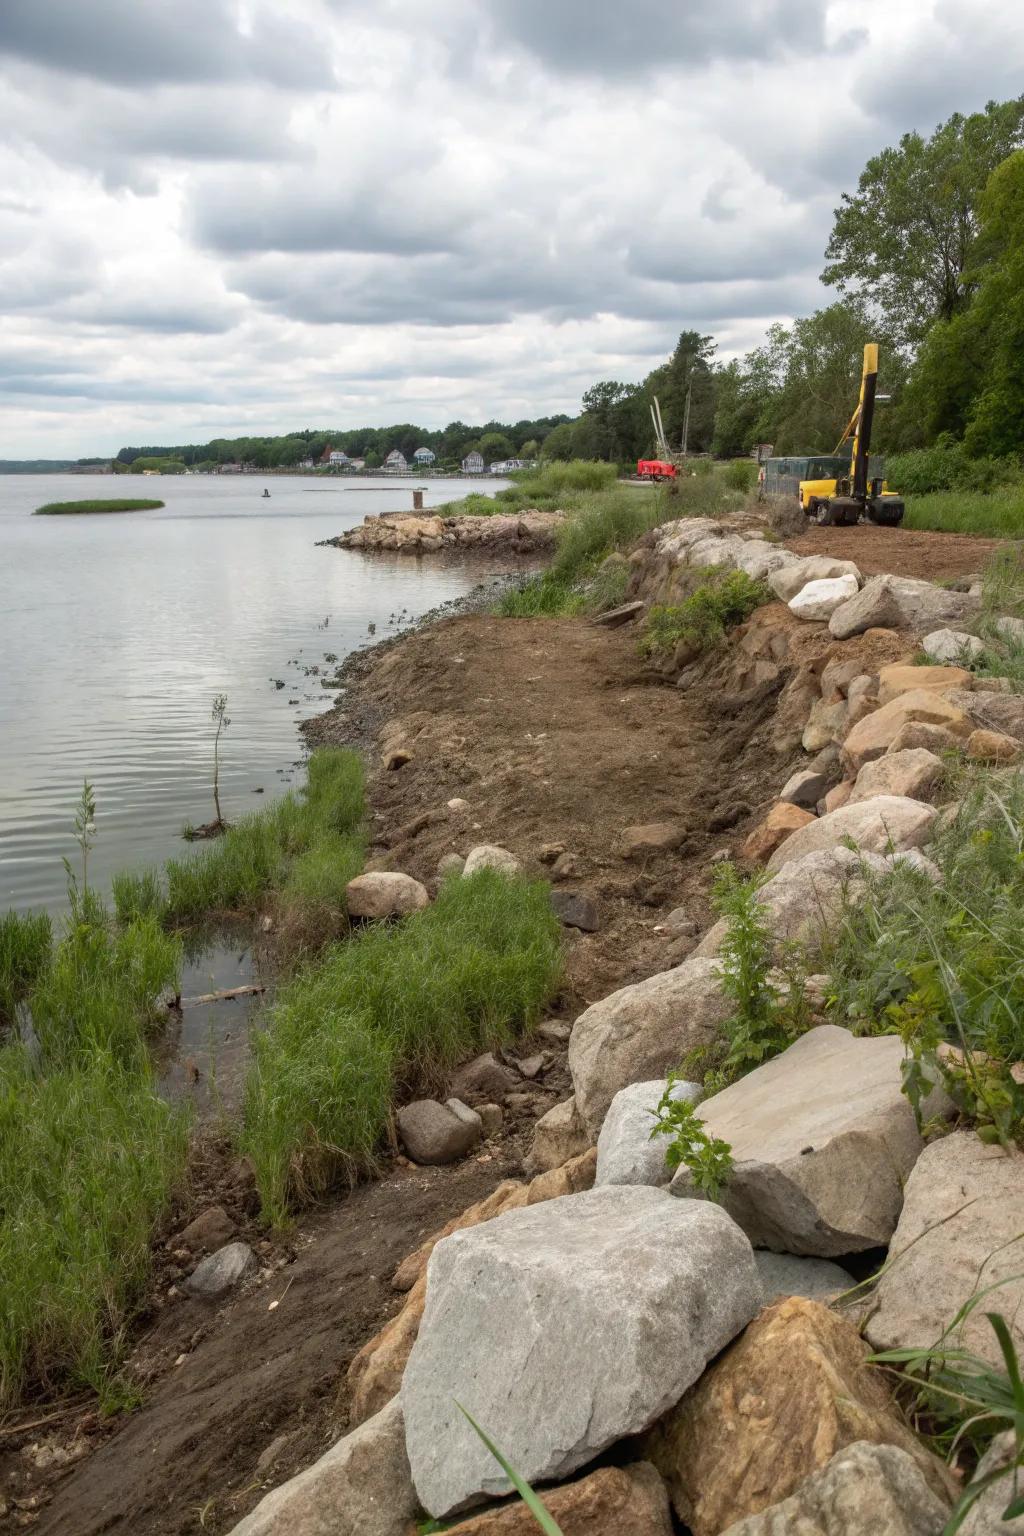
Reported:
(870, 367)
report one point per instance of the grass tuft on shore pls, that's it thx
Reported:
(25, 942)
(700, 621)
(117, 504)
(88, 1156)
(996, 514)
(390, 1012)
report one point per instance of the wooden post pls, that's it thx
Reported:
(417, 501)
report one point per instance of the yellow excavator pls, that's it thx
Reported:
(832, 488)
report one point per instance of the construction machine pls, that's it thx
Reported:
(833, 488)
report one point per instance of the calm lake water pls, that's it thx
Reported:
(116, 633)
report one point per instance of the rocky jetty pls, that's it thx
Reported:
(417, 533)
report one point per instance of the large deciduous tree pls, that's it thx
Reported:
(905, 239)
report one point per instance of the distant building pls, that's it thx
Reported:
(338, 457)
(227, 469)
(424, 455)
(473, 463)
(304, 464)
(357, 463)
(505, 465)
(395, 463)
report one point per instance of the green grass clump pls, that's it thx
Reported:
(541, 597)
(740, 475)
(120, 504)
(25, 941)
(276, 849)
(88, 1157)
(946, 467)
(548, 489)
(702, 619)
(393, 1009)
(997, 514)
(99, 992)
(137, 895)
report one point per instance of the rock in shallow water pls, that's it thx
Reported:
(564, 1327)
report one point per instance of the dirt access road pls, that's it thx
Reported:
(552, 732)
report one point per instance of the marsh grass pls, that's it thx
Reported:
(88, 1157)
(996, 514)
(545, 489)
(25, 942)
(137, 895)
(118, 504)
(390, 1011)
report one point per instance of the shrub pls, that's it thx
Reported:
(392, 1009)
(945, 466)
(25, 941)
(88, 1157)
(741, 475)
(702, 619)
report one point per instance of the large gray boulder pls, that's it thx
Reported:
(961, 1230)
(901, 602)
(802, 902)
(791, 578)
(865, 1490)
(384, 893)
(626, 1151)
(818, 600)
(361, 1487)
(642, 1032)
(222, 1271)
(822, 1140)
(434, 1133)
(883, 824)
(562, 1328)
(785, 1274)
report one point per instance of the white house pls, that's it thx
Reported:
(396, 462)
(424, 455)
(338, 457)
(473, 463)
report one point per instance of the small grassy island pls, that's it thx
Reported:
(69, 508)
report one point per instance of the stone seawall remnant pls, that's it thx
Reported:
(411, 533)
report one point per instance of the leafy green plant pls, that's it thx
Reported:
(546, 1521)
(725, 599)
(970, 1400)
(708, 1158)
(740, 475)
(85, 836)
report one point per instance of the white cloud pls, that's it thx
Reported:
(220, 217)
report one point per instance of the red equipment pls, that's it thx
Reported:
(655, 469)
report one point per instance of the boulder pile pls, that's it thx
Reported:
(415, 533)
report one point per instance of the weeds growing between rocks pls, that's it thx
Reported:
(392, 1010)
(701, 621)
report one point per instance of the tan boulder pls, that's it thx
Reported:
(782, 820)
(882, 824)
(375, 1374)
(657, 837)
(557, 1136)
(384, 894)
(613, 1501)
(827, 722)
(914, 772)
(992, 747)
(838, 796)
(918, 733)
(900, 678)
(872, 735)
(789, 1393)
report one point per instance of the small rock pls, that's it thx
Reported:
(458, 805)
(873, 735)
(656, 837)
(451, 864)
(434, 1133)
(382, 895)
(553, 1032)
(567, 866)
(271, 1455)
(781, 822)
(491, 1117)
(914, 773)
(680, 924)
(790, 579)
(211, 1229)
(221, 1271)
(549, 852)
(818, 600)
(618, 616)
(837, 797)
(576, 910)
(900, 602)
(489, 857)
(531, 1066)
(952, 645)
(483, 1080)
(1010, 629)
(626, 1151)
(864, 1490)
(558, 1135)
(805, 788)
(992, 747)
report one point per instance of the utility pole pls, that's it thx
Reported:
(686, 413)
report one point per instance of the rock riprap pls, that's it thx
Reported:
(626, 1151)
(865, 1490)
(878, 825)
(960, 1230)
(822, 1141)
(642, 1032)
(784, 1398)
(563, 1328)
(901, 602)
(361, 1487)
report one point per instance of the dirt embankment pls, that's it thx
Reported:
(555, 734)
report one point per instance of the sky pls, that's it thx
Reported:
(221, 217)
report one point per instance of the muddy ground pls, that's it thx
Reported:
(554, 733)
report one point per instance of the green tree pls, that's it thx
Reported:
(495, 446)
(559, 442)
(905, 239)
